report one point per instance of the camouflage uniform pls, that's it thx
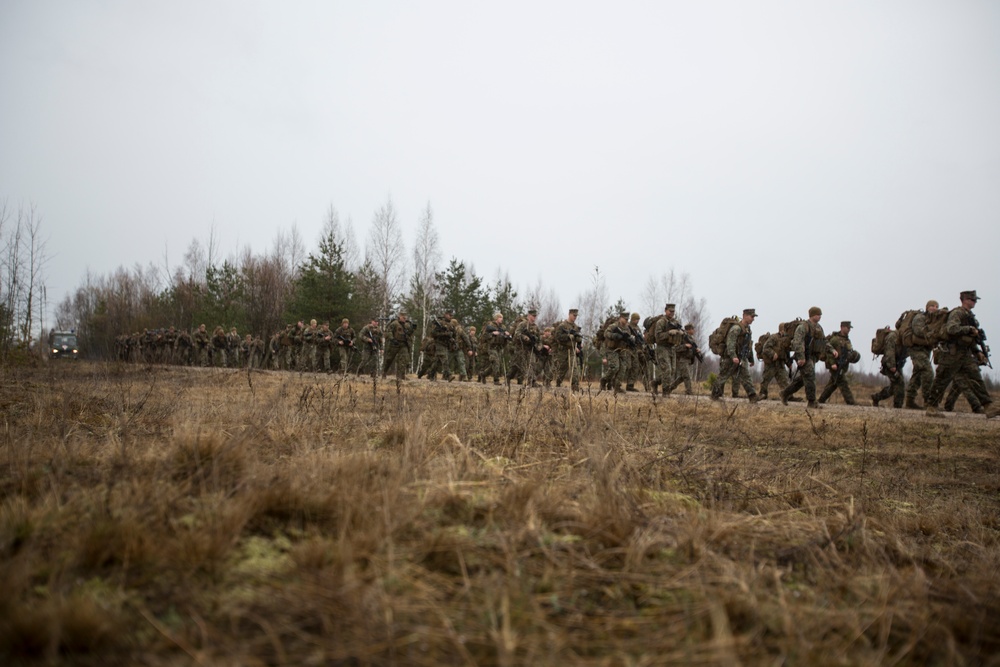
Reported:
(444, 341)
(371, 343)
(323, 342)
(687, 354)
(922, 375)
(233, 348)
(527, 343)
(544, 357)
(344, 344)
(616, 343)
(668, 334)
(459, 351)
(567, 339)
(960, 361)
(182, 348)
(429, 363)
(219, 345)
(774, 369)
(495, 337)
(398, 338)
(473, 362)
(893, 360)
(637, 357)
(309, 347)
(739, 345)
(807, 343)
(840, 343)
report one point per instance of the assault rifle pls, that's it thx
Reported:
(374, 341)
(981, 345)
(344, 339)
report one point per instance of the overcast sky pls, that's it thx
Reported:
(784, 154)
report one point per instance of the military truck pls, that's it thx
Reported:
(63, 345)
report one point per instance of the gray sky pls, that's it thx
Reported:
(784, 154)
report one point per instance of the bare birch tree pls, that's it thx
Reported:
(426, 259)
(386, 251)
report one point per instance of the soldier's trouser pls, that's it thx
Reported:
(959, 366)
(456, 360)
(442, 360)
(773, 371)
(396, 356)
(682, 375)
(323, 359)
(666, 361)
(496, 363)
(977, 388)
(806, 377)
(564, 362)
(738, 372)
(343, 357)
(896, 388)
(922, 376)
(837, 381)
(613, 374)
(523, 366)
(220, 357)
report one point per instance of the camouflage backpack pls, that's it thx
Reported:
(937, 326)
(936, 331)
(904, 325)
(758, 347)
(717, 339)
(787, 329)
(649, 327)
(599, 336)
(878, 342)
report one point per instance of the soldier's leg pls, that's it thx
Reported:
(743, 377)
(952, 399)
(828, 390)
(726, 370)
(845, 389)
(946, 370)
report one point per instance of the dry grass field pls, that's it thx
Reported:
(171, 516)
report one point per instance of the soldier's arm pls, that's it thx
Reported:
(955, 327)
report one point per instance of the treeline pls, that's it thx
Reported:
(259, 293)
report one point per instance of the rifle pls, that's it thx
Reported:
(344, 339)
(981, 345)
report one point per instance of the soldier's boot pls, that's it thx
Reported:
(992, 410)
(753, 398)
(784, 397)
(618, 388)
(763, 395)
(911, 403)
(875, 400)
(932, 411)
(949, 406)
(814, 405)
(653, 387)
(496, 380)
(979, 410)
(630, 387)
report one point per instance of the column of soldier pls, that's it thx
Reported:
(660, 356)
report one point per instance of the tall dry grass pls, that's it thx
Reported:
(175, 516)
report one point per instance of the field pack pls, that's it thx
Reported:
(717, 339)
(936, 328)
(649, 327)
(599, 336)
(758, 347)
(878, 342)
(787, 329)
